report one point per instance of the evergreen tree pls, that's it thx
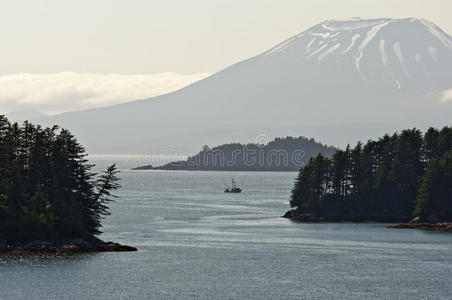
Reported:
(434, 200)
(432, 145)
(47, 189)
(380, 179)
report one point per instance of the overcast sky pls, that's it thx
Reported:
(160, 36)
(155, 36)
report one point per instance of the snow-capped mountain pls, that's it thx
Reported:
(409, 54)
(338, 81)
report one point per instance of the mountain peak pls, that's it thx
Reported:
(353, 23)
(350, 23)
(385, 53)
(338, 80)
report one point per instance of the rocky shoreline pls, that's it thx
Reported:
(62, 246)
(304, 217)
(446, 226)
(416, 223)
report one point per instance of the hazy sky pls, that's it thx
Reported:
(41, 39)
(155, 36)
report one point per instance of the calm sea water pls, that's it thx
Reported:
(195, 242)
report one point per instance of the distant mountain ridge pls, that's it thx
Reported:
(340, 81)
(281, 154)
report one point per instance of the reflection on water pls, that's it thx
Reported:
(42, 259)
(197, 242)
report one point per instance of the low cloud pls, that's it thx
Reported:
(446, 96)
(60, 92)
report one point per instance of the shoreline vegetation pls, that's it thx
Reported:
(282, 154)
(50, 199)
(405, 178)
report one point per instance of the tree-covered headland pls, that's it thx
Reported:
(280, 154)
(47, 187)
(398, 177)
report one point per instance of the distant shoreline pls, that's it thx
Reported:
(151, 168)
(281, 154)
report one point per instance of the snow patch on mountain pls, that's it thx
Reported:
(350, 24)
(318, 50)
(398, 51)
(384, 56)
(308, 47)
(327, 52)
(354, 38)
(370, 35)
(325, 35)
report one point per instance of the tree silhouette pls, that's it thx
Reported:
(381, 179)
(47, 188)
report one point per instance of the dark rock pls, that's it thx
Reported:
(40, 245)
(63, 246)
(446, 226)
(289, 214)
(416, 220)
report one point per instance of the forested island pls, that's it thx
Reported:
(281, 154)
(50, 200)
(396, 178)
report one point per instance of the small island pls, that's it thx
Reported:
(404, 178)
(50, 200)
(280, 154)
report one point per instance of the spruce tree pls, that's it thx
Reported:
(47, 189)
(387, 178)
(434, 201)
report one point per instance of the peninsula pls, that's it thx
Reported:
(406, 177)
(280, 154)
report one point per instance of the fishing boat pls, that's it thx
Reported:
(234, 188)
